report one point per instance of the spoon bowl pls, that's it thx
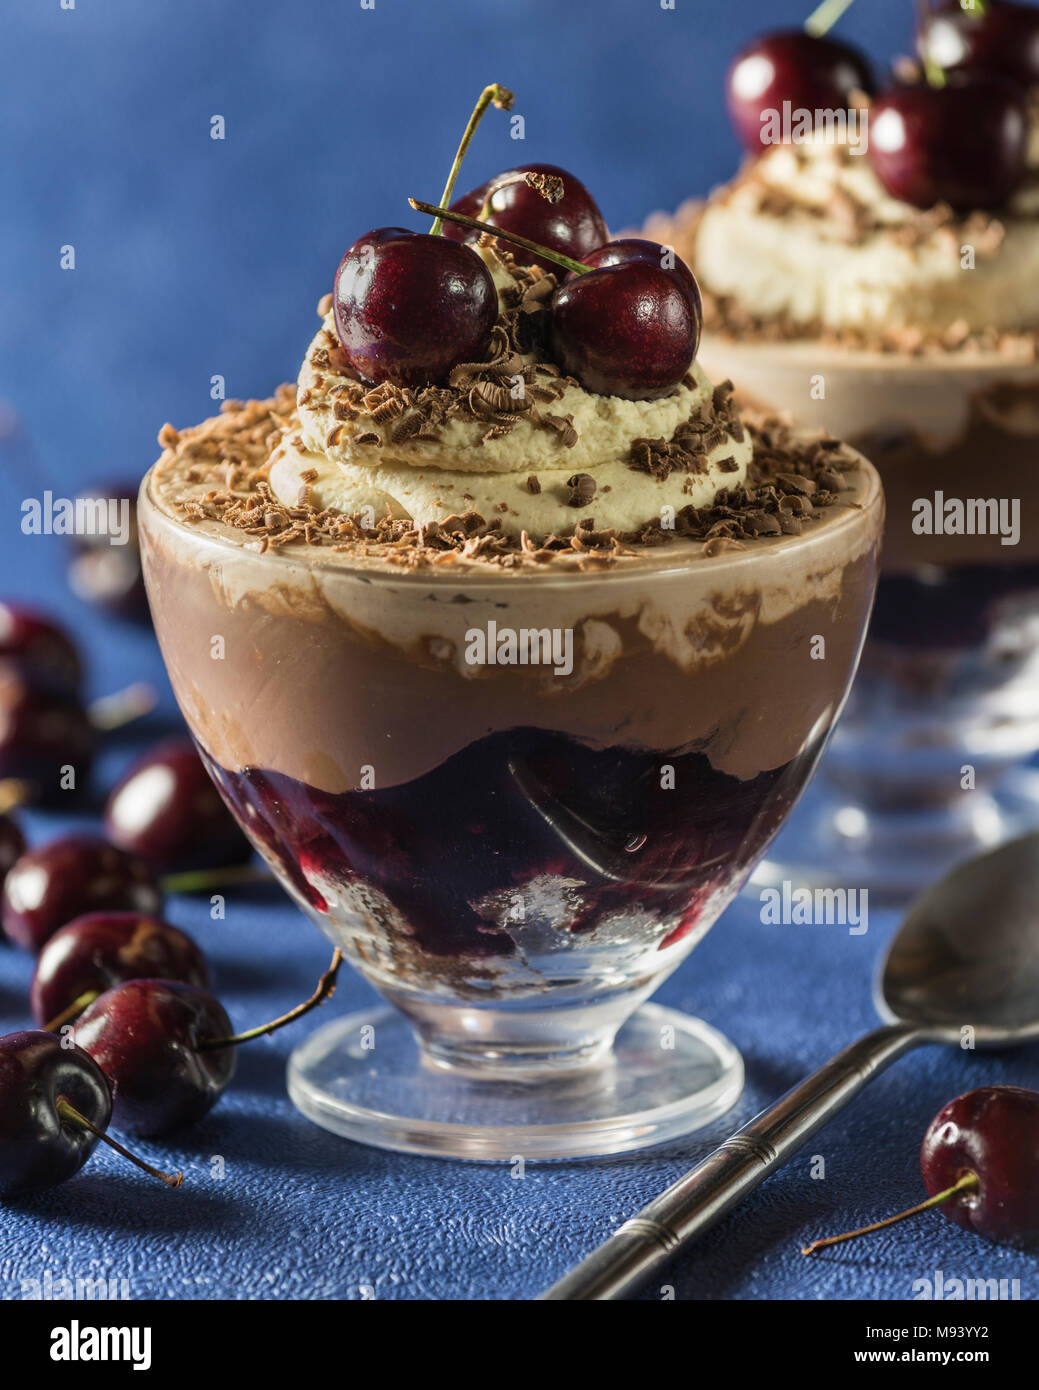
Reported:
(967, 952)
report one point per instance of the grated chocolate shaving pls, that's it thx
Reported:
(692, 441)
(582, 489)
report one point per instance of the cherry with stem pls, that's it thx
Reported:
(55, 1107)
(408, 307)
(168, 1048)
(979, 1160)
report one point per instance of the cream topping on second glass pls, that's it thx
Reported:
(808, 233)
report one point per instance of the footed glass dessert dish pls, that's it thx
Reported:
(515, 850)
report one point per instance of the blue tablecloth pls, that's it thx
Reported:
(299, 1213)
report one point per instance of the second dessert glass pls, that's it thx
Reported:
(929, 763)
(514, 855)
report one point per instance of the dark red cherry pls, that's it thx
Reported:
(574, 226)
(168, 1049)
(408, 307)
(811, 73)
(40, 649)
(145, 1035)
(39, 1145)
(68, 877)
(651, 252)
(46, 739)
(1000, 38)
(167, 810)
(993, 1132)
(627, 328)
(105, 570)
(102, 949)
(964, 144)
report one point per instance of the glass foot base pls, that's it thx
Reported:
(894, 856)
(365, 1077)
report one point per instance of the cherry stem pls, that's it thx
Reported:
(14, 793)
(325, 989)
(825, 16)
(68, 1113)
(578, 267)
(113, 711)
(199, 880)
(550, 186)
(73, 1011)
(969, 1182)
(934, 76)
(503, 99)
(932, 72)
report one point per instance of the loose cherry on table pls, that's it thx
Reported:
(54, 1107)
(47, 739)
(994, 1133)
(626, 320)
(50, 885)
(91, 954)
(48, 734)
(167, 810)
(409, 306)
(809, 71)
(105, 574)
(168, 1048)
(999, 37)
(40, 649)
(964, 143)
(571, 224)
(980, 1164)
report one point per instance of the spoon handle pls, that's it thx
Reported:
(696, 1201)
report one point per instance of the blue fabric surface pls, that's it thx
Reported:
(196, 257)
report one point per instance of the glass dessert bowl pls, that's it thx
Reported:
(510, 682)
(910, 332)
(514, 856)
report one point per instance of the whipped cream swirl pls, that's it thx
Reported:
(354, 456)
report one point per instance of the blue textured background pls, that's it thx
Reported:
(197, 257)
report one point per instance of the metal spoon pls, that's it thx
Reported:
(965, 958)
